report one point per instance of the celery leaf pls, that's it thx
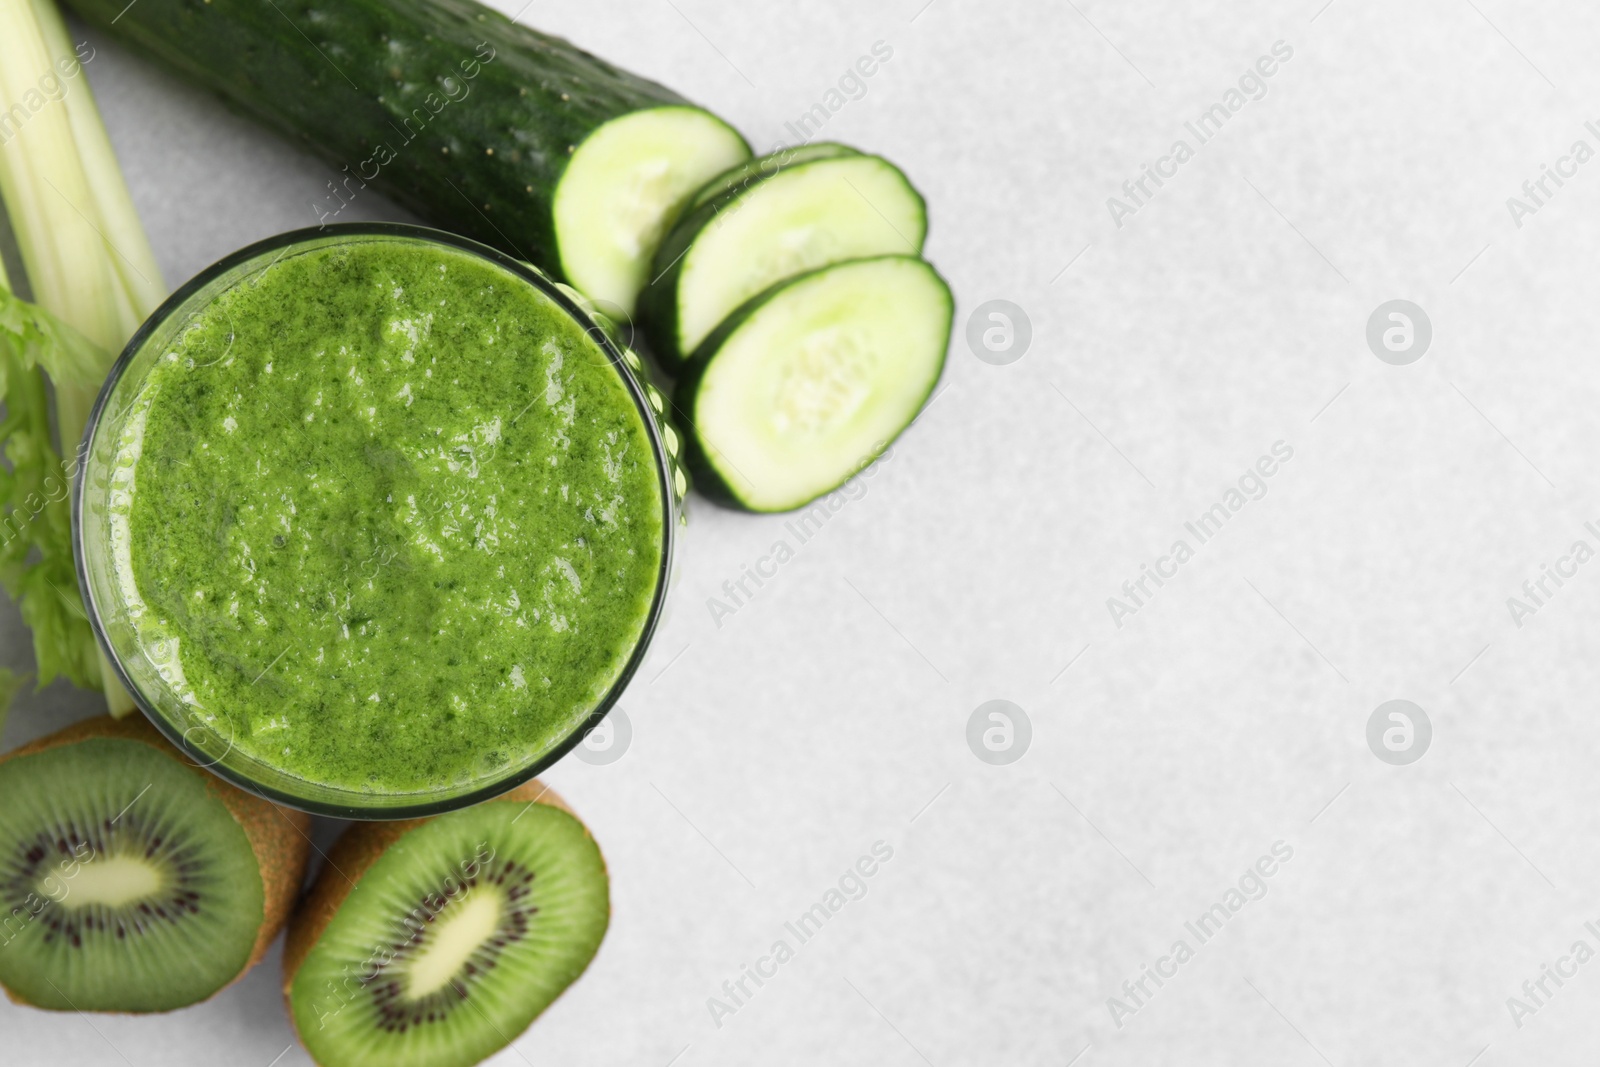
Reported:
(36, 565)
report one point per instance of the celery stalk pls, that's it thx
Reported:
(85, 253)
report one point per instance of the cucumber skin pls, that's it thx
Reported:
(658, 301)
(707, 480)
(529, 97)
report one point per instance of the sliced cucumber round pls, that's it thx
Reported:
(625, 184)
(770, 219)
(811, 380)
(766, 166)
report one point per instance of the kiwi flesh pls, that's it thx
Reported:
(132, 880)
(435, 942)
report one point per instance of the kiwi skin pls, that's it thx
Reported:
(280, 837)
(356, 850)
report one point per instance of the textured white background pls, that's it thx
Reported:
(769, 753)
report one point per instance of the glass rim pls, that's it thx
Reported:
(427, 804)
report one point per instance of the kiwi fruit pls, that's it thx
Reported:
(132, 880)
(434, 942)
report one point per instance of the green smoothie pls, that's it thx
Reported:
(396, 522)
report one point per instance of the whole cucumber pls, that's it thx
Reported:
(474, 122)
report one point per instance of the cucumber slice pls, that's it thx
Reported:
(771, 219)
(625, 183)
(766, 166)
(811, 380)
(476, 123)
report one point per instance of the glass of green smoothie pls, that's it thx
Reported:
(375, 521)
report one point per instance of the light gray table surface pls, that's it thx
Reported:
(773, 747)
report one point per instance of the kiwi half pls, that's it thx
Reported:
(132, 880)
(435, 942)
